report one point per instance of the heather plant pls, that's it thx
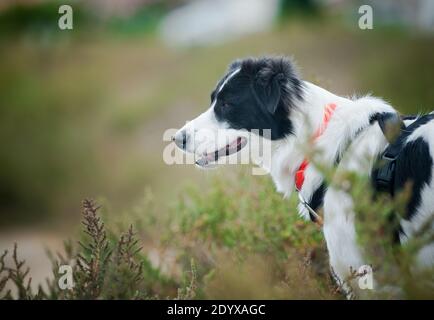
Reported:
(102, 269)
(17, 274)
(236, 239)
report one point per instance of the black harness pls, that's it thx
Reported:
(396, 133)
(393, 128)
(384, 173)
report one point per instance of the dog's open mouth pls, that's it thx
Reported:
(212, 157)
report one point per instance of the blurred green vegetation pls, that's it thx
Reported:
(306, 8)
(238, 240)
(195, 250)
(145, 20)
(40, 20)
(82, 113)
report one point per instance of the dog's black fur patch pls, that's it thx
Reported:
(412, 165)
(260, 96)
(317, 200)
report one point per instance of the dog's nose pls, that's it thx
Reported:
(180, 139)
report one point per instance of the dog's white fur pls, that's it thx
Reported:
(350, 116)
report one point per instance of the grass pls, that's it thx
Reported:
(207, 241)
(235, 241)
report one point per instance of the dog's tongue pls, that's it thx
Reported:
(225, 151)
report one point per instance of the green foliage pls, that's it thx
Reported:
(241, 211)
(239, 239)
(242, 226)
(293, 7)
(145, 20)
(109, 265)
(17, 274)
(39, 19)
(189, 290)
(101, 269)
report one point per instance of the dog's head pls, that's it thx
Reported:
(254, 95)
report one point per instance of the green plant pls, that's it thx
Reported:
(101, 269)
(17, 274)
(214, 242)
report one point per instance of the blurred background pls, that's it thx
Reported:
(83, 111)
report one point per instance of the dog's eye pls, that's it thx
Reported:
(225, 105)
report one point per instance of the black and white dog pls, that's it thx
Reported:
(267, 93)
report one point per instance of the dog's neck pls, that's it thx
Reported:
(350, 117)
(306, 117)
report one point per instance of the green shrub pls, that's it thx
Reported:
(238, 239)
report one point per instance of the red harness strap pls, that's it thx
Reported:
(328, 113)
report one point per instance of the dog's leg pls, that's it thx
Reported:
(340, 236)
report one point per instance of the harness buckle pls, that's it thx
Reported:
(389, 157)
(315, 217)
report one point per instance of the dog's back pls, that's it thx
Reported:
(414, 172)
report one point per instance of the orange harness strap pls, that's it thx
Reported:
(328, 113)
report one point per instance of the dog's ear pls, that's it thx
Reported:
(235, 65)
(267, 88)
